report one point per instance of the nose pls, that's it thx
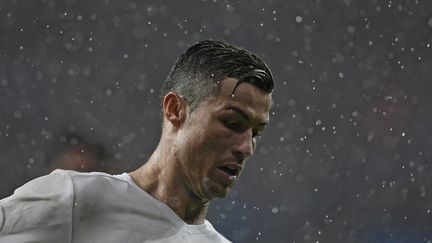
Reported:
(244, 147)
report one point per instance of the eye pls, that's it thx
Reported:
(233, 125)
(256, 134)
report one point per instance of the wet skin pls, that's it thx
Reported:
(219, 134)
(202, 153)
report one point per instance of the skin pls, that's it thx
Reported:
(183, 170)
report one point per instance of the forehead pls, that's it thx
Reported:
(246, 97)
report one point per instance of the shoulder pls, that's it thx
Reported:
(52, 202)
(95, 193)
(52, 199)
(96, 182)
(48, 187)
(215, 235)
(43, 200)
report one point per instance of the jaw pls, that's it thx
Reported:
(207, 190)
(216, 187)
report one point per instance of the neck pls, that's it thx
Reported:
(160, 178)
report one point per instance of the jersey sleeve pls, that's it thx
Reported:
(39, 211)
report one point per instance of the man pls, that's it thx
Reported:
(216, 100)
(72, 151)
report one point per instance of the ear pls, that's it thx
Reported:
(174, 109)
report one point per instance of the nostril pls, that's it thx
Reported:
(239, 156)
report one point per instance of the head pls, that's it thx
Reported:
(197, 73)
(216, 101)
(73, 152)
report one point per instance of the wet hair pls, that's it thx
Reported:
(198, 71)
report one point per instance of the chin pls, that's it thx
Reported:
(224, 194)
(215, 189)
(219, 192)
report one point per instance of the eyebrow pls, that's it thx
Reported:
(244, 115)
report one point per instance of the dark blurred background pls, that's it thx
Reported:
(347, 157)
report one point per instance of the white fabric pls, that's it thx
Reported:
(72, 207)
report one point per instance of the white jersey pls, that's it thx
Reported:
(72, 207)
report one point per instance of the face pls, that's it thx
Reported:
(218, 137)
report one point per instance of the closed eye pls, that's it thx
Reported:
(256, 134)
(240, 128)
(243, 124)
(234, 126)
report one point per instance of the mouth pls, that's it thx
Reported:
(230, 170)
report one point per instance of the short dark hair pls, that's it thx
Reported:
(198, 71)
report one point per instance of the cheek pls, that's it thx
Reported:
(208, 149)
(222, 142)
(196, 146)
(208, 141)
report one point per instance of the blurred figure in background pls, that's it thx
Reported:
(75, 153)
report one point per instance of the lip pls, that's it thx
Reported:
(236, 166)
(226, 178)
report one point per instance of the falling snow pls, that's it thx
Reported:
(347, 154)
